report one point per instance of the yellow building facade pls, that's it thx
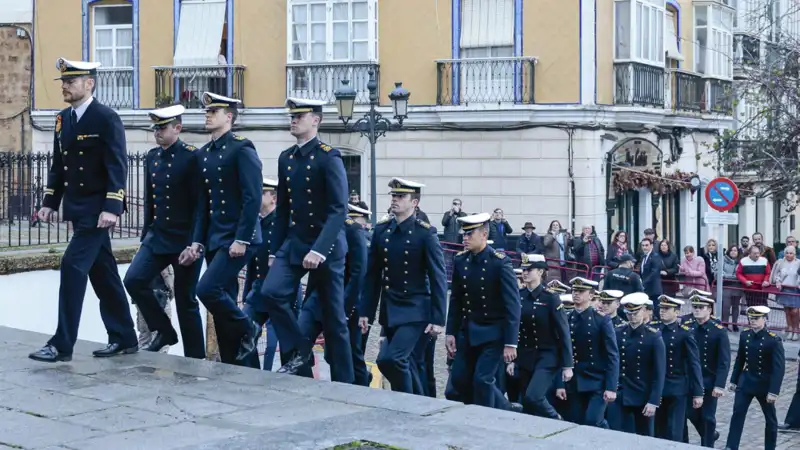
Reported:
(515, 104)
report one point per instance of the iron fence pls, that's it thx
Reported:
(23, 179)
(185, 85)
(319, 81)
(486, 80)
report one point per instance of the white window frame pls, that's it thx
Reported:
(372, 31)
(114, 29)
(113, 82)
(645, 43)
(717, 57)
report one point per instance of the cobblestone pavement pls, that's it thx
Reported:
(752, 438)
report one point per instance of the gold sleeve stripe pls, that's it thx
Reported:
(114, 196)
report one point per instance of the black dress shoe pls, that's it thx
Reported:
(515, 407)
(115, 349)
(159, 342)
(787, 427)
(48, 353)
(249, 342)
(716, 435)
(293, 366)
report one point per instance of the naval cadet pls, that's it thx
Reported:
(623, 278)
(596, 358)
(483, 318)
(683, 377)
(405, 270)
(715, 359)
(170, 200)
(642, 368)
(88, 172)
(309, 238)
(310, 320)
(608, 300)
(758, 372)
(226, 231)
(545, 346)
(257, 269)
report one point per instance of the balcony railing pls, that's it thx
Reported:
(185, 85)
(486, 80)
(319, 81)
(638, 84)
(738, 157)
(685, 91)
(115, 88)
(719, 96)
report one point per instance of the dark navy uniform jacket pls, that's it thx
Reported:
(90, 164)
(617, 321)
(595, 353)
(354, 271)
(714, 349)
(484, 298)
(258, 267)
(170, 198)
(683, 373)
(230, 193)
(312, 203)
(405, 269)
(543, 330)
(642, 365)
(760, 363)
(623, 279)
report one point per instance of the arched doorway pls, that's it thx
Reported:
(633, 168)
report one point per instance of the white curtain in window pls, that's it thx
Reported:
(487, 23)
(671, 38)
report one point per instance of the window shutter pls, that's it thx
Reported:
(487, 23)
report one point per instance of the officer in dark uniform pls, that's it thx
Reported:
(406, 271)
(483, 318)
(89, 171)
(690, 316)
(609, 305)
(170, 200)
(792, 420)
(623, 278)
(226, 231)
(309, 238)
(683, 376)
(715, 359)
(596, 359)
(545, 345)
(757, 373)
(560, 404)
(642, 368)
(355, 270)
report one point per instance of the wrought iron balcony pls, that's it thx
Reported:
(719, 96)
(318, 81)
(486, 80)
(115, 88)
(185, 85)
(685, 91)
(638, 84)
(738, 157)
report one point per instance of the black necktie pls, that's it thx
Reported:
(74, 118)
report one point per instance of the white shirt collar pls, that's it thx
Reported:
(82, 108)
(301, 144)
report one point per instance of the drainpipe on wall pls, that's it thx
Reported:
(571, 172)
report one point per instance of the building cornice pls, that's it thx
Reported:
(483, 115)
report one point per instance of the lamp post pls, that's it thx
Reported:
(373, 125)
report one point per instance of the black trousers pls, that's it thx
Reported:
(741, 403)
(88, 257)
(146, 266)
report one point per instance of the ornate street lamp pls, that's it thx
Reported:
(372, 125)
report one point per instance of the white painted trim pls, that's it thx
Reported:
(484, 115)
(372, 30)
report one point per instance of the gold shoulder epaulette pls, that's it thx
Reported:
(382, 221)
(622, 324)
(191, 148)
(461, 252)
(685, 327)
(772, 334)
(719, 325)
(325, 147)
(561, 305)
(349, 221)
(652, 330)
(424, 224)
(58, 123)
(499, 255)
(239, 138)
